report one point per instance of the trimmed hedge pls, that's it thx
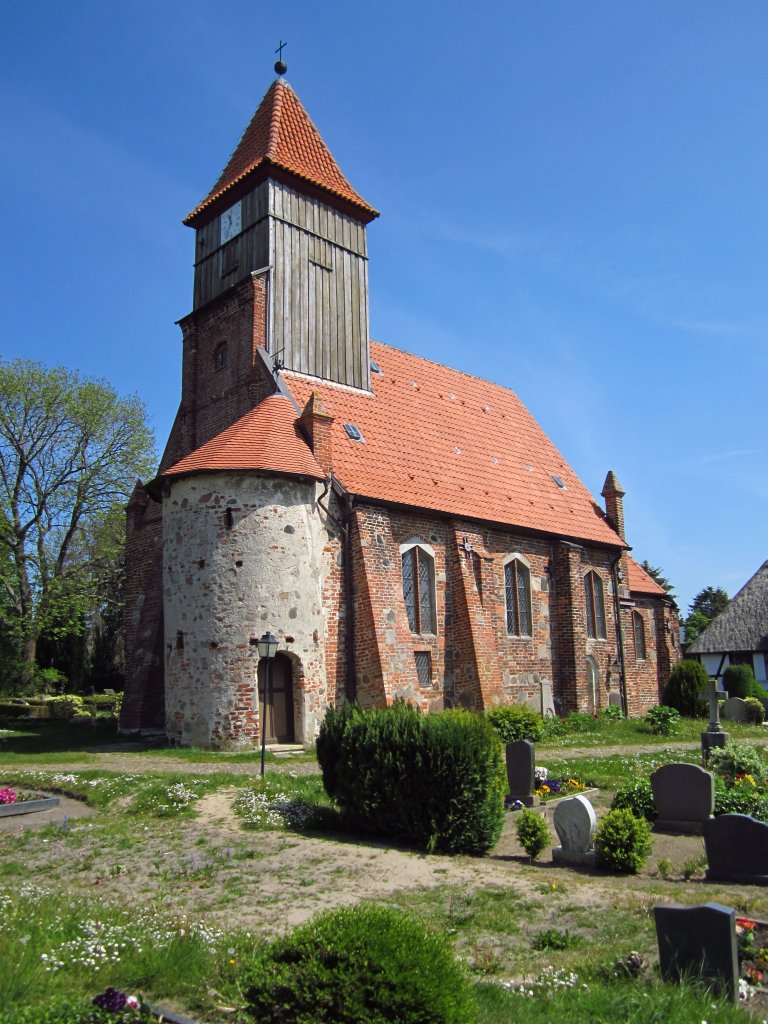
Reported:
(358, 965)
(433, 781)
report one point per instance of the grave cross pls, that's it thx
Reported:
(712, 694)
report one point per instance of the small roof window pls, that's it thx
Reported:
(558, 481)
(375, 368)
(353, 433)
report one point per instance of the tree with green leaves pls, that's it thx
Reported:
(70, 452)
(657, 574)
(705, 607)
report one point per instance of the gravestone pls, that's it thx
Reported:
(614, 700)
(713, 736)
(699, 942)
(547, 703)
(737, 849)
(735, 710)
(521, 764)
(684, 795)
(575, 825)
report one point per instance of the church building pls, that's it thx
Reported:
(404, 529)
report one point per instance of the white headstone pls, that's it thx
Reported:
(575, 823)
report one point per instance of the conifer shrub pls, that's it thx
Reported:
(434, 781)
(514, 722)
(358, 965)
(622, 842)
(532, 832)
(738, 680)
(686, 681)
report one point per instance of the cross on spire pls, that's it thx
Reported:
(280, 66)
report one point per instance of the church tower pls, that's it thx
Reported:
(282, 205)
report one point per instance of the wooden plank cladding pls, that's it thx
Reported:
(318, 278)
(319, 289)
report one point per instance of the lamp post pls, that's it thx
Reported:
(267, 646)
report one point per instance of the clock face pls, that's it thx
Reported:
(230, 222)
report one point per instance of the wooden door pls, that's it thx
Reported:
(279, 717)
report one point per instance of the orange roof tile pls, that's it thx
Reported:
(281, 134)
(639, 581)
(265, 438)
(439, 439)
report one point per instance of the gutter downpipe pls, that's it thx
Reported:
(344, 527)
(620, 634)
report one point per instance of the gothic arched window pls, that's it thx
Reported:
(639, 629)
(517, 587)
(419, 587)
(593, 593)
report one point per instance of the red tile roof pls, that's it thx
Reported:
(281, 134)
(265, 438)
(639, 581)
(439, 439)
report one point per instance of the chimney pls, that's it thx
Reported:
(614, 502)
(315, 422)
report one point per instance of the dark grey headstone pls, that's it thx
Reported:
(737, 849)
(684, 795)
(699, 942)
(521, 762)
(709, 740)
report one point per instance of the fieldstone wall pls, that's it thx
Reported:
(243, 554)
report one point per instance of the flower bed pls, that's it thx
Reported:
(13, 802)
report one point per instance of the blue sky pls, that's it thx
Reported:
(573, 199)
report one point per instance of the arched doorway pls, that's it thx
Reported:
(279, 717)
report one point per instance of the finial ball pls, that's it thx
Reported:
(281, 67)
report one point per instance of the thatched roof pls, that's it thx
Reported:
(743, 623)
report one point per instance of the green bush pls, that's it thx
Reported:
(622, 842)
(358, 965)
(611, 712)
(66, 706)
(736, 759)
(663, 720)
(553, 727)
(739, 681)
(636, 797)
(686, 681)
(513, 722)
(740, 798)
(532, 832)
(755, 711)
(435, 781)
(581, 721)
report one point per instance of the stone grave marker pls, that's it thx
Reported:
(575, 823)
(699, 942)
(521, 764)
(735, 710)
(684, 795)
(737, 849)
(713, 736)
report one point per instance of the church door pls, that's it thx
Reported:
(279, 718)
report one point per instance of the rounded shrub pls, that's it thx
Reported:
(622, 842)
(513, 722)
(636, 797)
(434, 781)
(532, 832)
(611, 713)
(740, 798)
(662, 720)
(686, 681)
(755, 711)
(358, 965)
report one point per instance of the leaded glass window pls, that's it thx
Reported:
(419, 589)
(595, 605)
(639, 625)
(517, 584)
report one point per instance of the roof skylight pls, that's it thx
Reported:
(354, 433)
(558, 481)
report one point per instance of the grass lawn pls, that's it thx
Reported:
(176, 877)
